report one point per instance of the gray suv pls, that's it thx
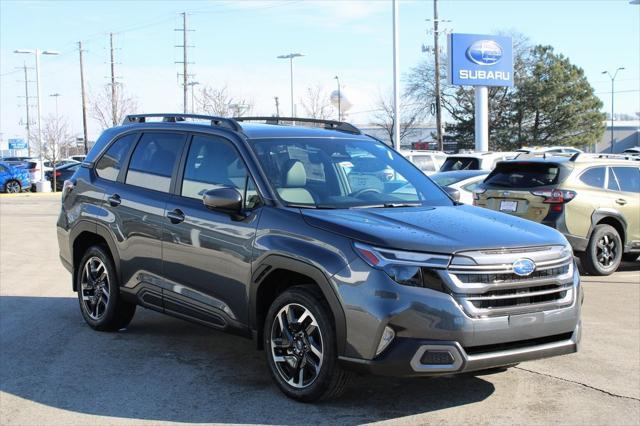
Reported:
(287, 233)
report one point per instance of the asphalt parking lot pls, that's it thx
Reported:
(55, 370)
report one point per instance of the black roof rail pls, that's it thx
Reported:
(178, 117)
(327, 124)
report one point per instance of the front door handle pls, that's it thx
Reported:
(175, 216)
(115, 200)
(621, 201)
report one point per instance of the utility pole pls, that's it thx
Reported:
(84, 101)
(436, 52)
(185, 61)
(396, 76)
(114, 109)
(26, 103)
(277, 106)
(339, 99)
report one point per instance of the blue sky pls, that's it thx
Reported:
(236, 43)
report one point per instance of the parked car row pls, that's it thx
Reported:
(13, 179)
(593, 199)
(34, 168)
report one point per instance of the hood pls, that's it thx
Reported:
(446, 229)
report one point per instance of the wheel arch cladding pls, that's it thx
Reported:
(615, 220)
(277, 273)
(86, 238)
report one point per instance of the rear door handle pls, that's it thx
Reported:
(175, 216)
(621, 201)
(115, 200)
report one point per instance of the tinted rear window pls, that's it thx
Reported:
(524, 175)
(460, 163)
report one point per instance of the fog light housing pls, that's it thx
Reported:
(432, 357)
(387, 337)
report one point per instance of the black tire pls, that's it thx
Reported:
(113, 314)
(630, 257)
(331, 380)
(604, 251)
(12, 187)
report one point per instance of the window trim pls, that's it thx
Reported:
(606, 177)
(123, 171)
(124, 159)
(179, 176)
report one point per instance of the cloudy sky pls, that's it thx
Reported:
(236, 44)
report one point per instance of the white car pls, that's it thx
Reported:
(550, 150)
(465, 181)
(475, 160)
(78, 158)
(427, 161)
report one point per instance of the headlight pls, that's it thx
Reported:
(406, 268)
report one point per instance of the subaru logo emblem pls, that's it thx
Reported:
(484, 52)
(523, 267)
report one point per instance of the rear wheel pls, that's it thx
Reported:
(300, 345)
(604, 252)
(12, 187)
(99, 293)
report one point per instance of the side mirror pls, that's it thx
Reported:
(223, 199)
(453, 193)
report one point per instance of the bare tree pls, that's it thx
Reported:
(214, 101)
(101, 108)
(412, 115)
(56, 139)
(316, 103)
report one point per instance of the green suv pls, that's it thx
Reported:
(594, 200)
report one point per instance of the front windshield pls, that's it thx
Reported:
(344, 173)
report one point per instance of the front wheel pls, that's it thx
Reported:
(99, 293)
(300, 345)
(604, 252)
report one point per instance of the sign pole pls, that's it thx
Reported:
(482, 118)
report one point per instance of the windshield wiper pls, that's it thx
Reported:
(386, 205)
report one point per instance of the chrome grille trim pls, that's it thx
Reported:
(484, 283)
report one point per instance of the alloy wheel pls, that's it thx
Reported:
(296, 345)
(606, 251)
(13, 187)
(94, 286)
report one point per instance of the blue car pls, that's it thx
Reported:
(13, 179)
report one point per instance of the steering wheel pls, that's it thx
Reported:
(360, 192)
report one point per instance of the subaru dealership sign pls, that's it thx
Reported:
(480, 60)
(17, 144)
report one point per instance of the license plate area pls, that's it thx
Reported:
(508, 206)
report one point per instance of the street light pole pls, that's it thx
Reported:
(613, 79)
(193, 83)
(339, 99)
(44, 187)
(290, 57)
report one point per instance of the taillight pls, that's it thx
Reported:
(555, 197)
(58, 173)
(476, 194)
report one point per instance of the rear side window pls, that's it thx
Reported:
(628, 178)
(424, 163)
(110, 163)
(594, 177)
(153, 160)
(460, 163)
(523, 175)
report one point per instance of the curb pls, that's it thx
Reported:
(31, 194)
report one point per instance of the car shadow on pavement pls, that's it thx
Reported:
(165, 369)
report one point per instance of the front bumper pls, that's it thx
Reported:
(409, 357)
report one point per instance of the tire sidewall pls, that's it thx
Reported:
(320, 311)
(593, 249)
(108, 317)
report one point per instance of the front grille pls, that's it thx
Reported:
(484, 283)
(519, 296)
(500, 278)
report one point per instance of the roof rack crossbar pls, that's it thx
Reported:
(178, 117)
(328, 124)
